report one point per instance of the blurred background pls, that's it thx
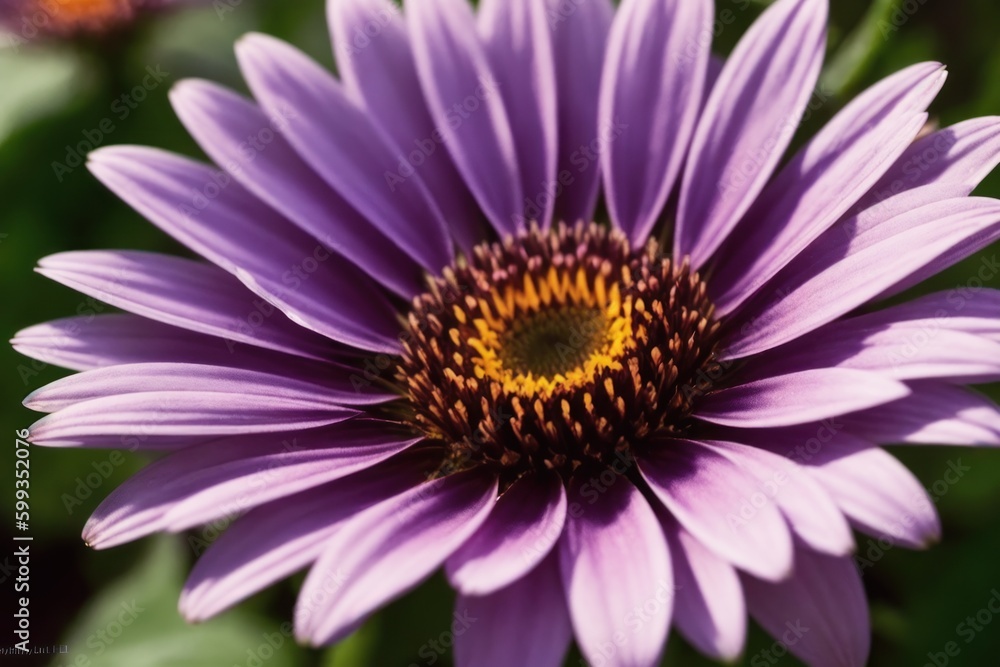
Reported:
(118, 607)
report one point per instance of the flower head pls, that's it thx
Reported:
(69, 18)
(411, 345)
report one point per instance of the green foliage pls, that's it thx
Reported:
(50, 98)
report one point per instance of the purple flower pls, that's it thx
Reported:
(410, 347)
(27, 19)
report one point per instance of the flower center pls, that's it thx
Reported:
(556, 349)
(554, 342)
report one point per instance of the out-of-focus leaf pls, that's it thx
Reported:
(37, 81)
(135, 622)
(859, 49)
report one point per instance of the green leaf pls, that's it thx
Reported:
(37, 81)
(135, 622)
(859, 49)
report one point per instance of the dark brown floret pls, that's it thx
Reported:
(555, 350)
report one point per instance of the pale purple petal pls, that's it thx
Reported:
(518, 45)
(180, 414)
(810, 511)
(352, 154)
(803, 443)
(232, 131)
(273, 541)
(841, 163)
(880, 496)
(134, 378)
(711, 498)
(526, 623)
(799, 397)
(820, 614)
(375, 61)
(94, 341)
(842, 271)
(934, 413)
(522, 529)
(748, 121)
(651, 92)
(226, 478)
(579, 38)
(388, 549)
(957, 158)
(97, 341)
(240, 234)
(614, 560)
(709, 607)
(467, 106)
(184, 293)
(968, 309)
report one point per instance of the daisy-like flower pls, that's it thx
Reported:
(66, 18)
(411, 346)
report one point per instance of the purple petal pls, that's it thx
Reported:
(956, 158)
(935, 413)
(820, 614)
(579, 39)
(273, 258)
(231, 129)
(136, 378)
(748, 121)
(375, 60)
(880, 496)
(825, 179)
(617, 576)
(467, 106)
(843, 271)
(180, 414)
(912, 353)
(970, 310)
(98, 341)
(709, 608)
(522, 529)
(352, 154)
(651, 93)
(803, 443)
(797, 398)
(811, 513)
(518, 45)
(711, 498)
(526, 623)
(94, 341)
(183, 293)
(274, 540)
(388, 549)
(198, 485)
